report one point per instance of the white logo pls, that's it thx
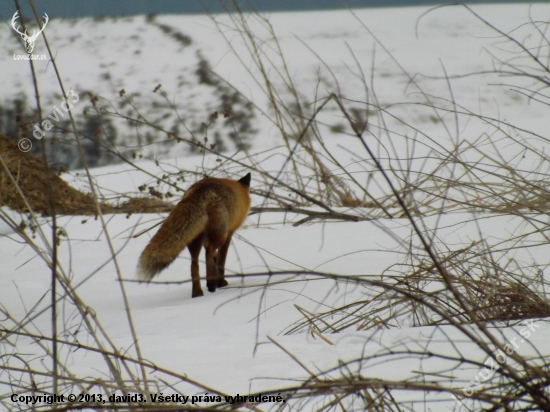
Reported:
(29, 40)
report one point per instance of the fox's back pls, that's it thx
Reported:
(226, 201)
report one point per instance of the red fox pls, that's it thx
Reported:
(207, 215)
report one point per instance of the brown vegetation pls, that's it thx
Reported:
(24, 183)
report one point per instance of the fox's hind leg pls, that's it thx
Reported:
(195, 249)
(211, 268)
(220, 262)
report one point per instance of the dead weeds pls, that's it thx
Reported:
(31, 177)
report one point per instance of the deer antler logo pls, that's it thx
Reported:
(29, 40)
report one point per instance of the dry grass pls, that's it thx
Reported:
(489, 291)
(28, 171)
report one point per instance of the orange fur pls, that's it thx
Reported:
(207, 215)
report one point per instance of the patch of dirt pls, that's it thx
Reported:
(144, 205)
(26, 174)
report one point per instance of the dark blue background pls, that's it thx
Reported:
(98, 8)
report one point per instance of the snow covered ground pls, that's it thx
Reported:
(222, 339)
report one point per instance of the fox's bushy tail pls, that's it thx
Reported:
(185, 223)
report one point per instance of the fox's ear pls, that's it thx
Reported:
(245, 181)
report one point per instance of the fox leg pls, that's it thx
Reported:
(195, 249)
(211, 268)
(220, 261)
